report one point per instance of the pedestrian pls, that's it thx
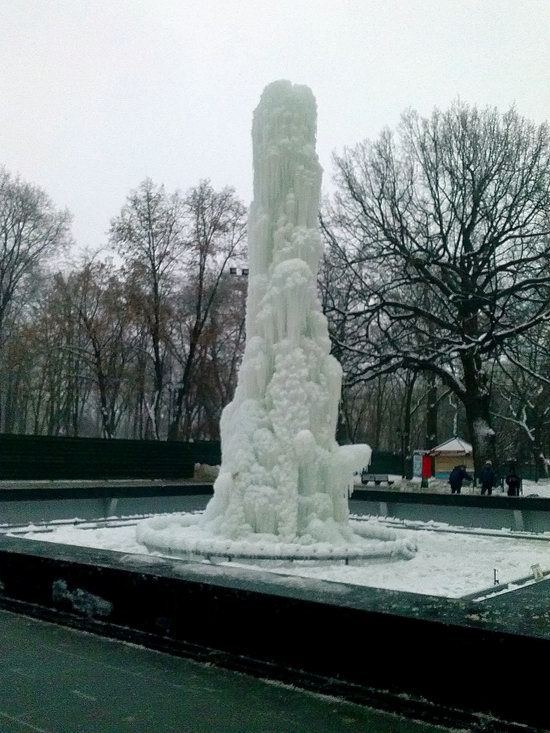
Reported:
(457, 476)
(513, 481)
(487, 478)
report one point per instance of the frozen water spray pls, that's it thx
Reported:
(284, 481)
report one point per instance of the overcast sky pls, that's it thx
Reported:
(95, 95)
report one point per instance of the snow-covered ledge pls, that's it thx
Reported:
(284, 481)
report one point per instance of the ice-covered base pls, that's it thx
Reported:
(184, 536)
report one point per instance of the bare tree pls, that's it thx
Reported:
(148, 234)
(522, 379)
(57, 383)
(445, 227)
(214, 237)
(31, 229)
(220, 353)
(109, 345)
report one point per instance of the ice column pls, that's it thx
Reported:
(282, 473)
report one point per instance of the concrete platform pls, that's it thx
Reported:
(444, 661)
(463, 664)
(58, 680)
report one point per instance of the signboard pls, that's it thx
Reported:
(417, 462)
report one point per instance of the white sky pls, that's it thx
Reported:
(97, 94)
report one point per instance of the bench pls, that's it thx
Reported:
(375, 478)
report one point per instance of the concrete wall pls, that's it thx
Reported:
(494, 512)
(25, 506)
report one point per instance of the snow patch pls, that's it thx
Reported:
(81, 600)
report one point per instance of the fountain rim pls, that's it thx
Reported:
(232, 549)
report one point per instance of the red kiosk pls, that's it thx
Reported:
(427, 463)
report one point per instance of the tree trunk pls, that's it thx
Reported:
(407, 419)
(379, 401)
(539, 459)
(477, 403)
(430, 439)
(182, 390)
(342, 426)
(541, 469)
(482, 435)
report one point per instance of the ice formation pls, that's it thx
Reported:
(282, 471)
(283, 479)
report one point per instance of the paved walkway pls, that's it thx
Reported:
(57, 680)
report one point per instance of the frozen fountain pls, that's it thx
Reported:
(284, 483)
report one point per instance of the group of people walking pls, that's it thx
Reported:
(487, 479)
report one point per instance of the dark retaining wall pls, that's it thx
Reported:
(417, 655)
(48, 503)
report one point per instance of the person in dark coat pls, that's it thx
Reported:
(456, 477)
(487, 478)
(513, 481)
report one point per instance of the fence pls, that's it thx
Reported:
(386, 462)
(43, 457)
(46, 457)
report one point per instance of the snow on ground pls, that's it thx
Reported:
(119, 539)
(539, 488)
(449, 565)
(446, 564)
